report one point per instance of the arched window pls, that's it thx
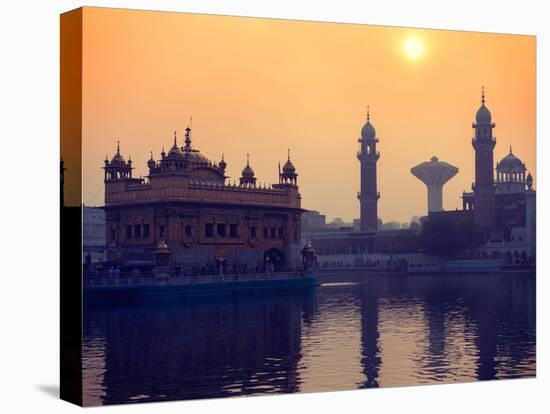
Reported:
(137, 231)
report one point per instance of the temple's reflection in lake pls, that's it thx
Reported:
(351, 332)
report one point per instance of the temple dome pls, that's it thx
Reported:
(194, 156)
(222, 164)
(248, 172)
(118, 159)
(511, 163)
(175, 152)
(289, 168)
(151, 162)
(247, 176)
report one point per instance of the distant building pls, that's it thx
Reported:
(381, 242)
(338, 223)
(504, 210)
(93, 234)
(390, 225)
(513, 234)
(187, 202)
(380, 249)
(312, 222)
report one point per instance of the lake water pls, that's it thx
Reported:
(351, 332)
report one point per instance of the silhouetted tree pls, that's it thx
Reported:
(445, 237)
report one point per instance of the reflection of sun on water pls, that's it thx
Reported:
(413, 47)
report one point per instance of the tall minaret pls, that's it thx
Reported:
(484, 186)
(368, 157)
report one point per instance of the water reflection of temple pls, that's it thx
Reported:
(199, 349)
(375, 331)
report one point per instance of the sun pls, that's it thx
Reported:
(413, 48)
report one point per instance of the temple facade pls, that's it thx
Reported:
(187, 202)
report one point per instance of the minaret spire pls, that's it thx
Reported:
(118, 147)
(188, 133)
(483, 187)
(368, 195)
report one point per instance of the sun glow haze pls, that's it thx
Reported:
(261, 86)
(413, 47)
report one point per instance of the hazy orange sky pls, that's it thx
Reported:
(260, 86)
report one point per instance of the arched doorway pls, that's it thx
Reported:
(275, 258)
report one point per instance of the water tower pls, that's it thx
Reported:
(434, 174)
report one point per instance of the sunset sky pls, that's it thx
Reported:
(260, 86)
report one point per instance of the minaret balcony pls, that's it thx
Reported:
(375, 140)
(368, 196)
(484, 142)
(474, 125)
(362, 155)
(492, 139)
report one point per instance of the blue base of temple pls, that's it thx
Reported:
(221, 287)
